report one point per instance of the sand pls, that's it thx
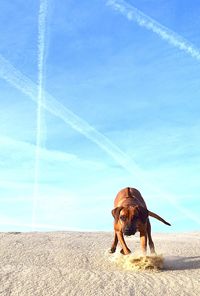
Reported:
(78, 263)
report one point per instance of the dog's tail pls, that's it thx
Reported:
(158, 217)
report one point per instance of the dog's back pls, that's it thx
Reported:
(129, 197)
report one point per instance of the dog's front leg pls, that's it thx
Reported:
(125, 250)
(114, 244)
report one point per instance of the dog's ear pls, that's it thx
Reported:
(115, 212)
(142, 213)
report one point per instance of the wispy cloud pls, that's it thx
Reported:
(27, 149)
(14, 151)
(143, 20)
(17, 162)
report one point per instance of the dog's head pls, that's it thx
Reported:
(127, 218)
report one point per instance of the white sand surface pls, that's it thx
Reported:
(77, 263)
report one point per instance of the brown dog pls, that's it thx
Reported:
(131, 215)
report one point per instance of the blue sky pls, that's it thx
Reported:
(120, 94)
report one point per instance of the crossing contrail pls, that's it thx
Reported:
(9, 73)
(134, 14)
(42, 24)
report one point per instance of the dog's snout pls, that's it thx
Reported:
(129, 230)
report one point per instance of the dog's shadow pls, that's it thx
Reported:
(181, 263)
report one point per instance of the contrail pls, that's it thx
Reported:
(42, 18)
(134, 14)
(25, 85)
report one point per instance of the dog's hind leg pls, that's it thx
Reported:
(150, 241)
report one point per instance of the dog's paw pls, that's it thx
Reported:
(125, 253)
(112, 250)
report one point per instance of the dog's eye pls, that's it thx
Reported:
(123, 218)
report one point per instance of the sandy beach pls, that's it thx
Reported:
(78, 263)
